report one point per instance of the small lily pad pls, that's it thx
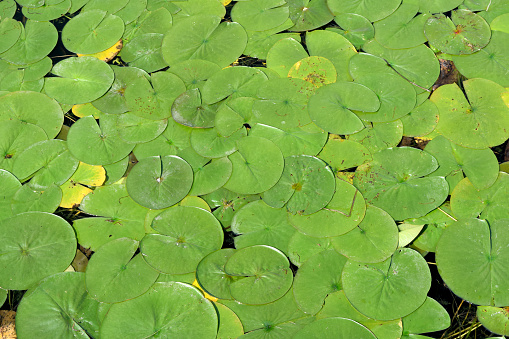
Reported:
(495, 319)
(335, 327)
(211, 275)
(372, 10)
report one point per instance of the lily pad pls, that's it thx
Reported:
(356, 28)
(464, 33)
(186, 235)
(174, 306)
(211, 276)
(10, 185)
(371, 9)
(341, 154)
(159, 182)
(284, 54)
(260, 15)
(79, 80)
(430, 317)
(211, 176)
(134, 129)
(379, 136)
(388, 290)
(144, 51)
(35, 245)
(471, 257)
(10, 30)
(340, 328)
(395, 182)
(421, 120)
(309, 14)
(27, 199)
(116, 274)
(495, 319)
(481, 112)
(204, 37)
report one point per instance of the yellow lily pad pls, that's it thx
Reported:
(83, 110)
(73, 189)
(108, 54)
(205, 294)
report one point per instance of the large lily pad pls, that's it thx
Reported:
(372, 9)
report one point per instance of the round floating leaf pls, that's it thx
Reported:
(373, 240)
(173, 307)
(373, 10)
(302, 247)
(134, 129)
(316, 278)
(341, 154)
(430, 317)
(390, 289)
(230, 325)
(111, 6)
(15, 137)
(211, 276)
(186, 235)
(194, 72)
(464, 33)
(338, 328)
(46, 312)
(265, 274)
(34, 108)
(437, 6)
(132, 10)
(401, 29)
(308, 139)
(491, 62)
(144, 51)
(34, 245)
(254, 172)
(316, 70)
(97, 144)
(284, 54)
(482, 114)
(378, 136)
(356, 28)
(159, 182)
(227, 202)
(27, 199)
(10, 31)
(47, 162)
(394, 182)
(188, 110)
(330, 108)
(260, 15)
(204, 37)
(471, 257)
(495, 319)
(49, 11)
(7, 9)
(79, 80)
(37, 39)
(10, 185)
(207, 142)
(115, 274)
(306, 186)
(259, 224)
(421, 121)
(309, 14)
(342, 214)
(211, 176)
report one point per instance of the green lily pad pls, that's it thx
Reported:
(204, 37)
(92, 31)
(224, 203)
(97, 144)
(7, 9)
(230, 325)
(194, 72)
(259, 224)
(464, 33)
(186, 235)
(115, 274)
(211, 276)
(27, 199)
(254, 172)
(471, 257)
(318, 71)
(341, 154)
(379, 136)
(386, 290)
(79, 80)
(316, 278)
(144, 51)
(34, 108)
(402, 29)
(340, 328)
(395, 182)
(374, 240)
(302, 247)
(308, 139)
(47, 312)
(209, 143)
(120, 217)
(437, 6)
(337, 305)
(307, 185)
(10, 30)
(282, 103)
(430, 317)
(189, 110)
(421, 120)
(331, 107)
(46, 163)
(260, 15)
(435, 223)
(36, 40)
(263, 272)
(284, 54)
(10, 185)
(371, 9)
(309, 14)
(191, 8)
(34, 246)
(159, 182)
(153, 100)
(482, 113)
(334, 47)
(495, 319)
(155, 20)
(356, 28)
(15, 137)
(134, 129)
(342, 213)
(211, 176)
(479, 165)
(110, 6)
(491, 62)
(132, 10)
(173, 306)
